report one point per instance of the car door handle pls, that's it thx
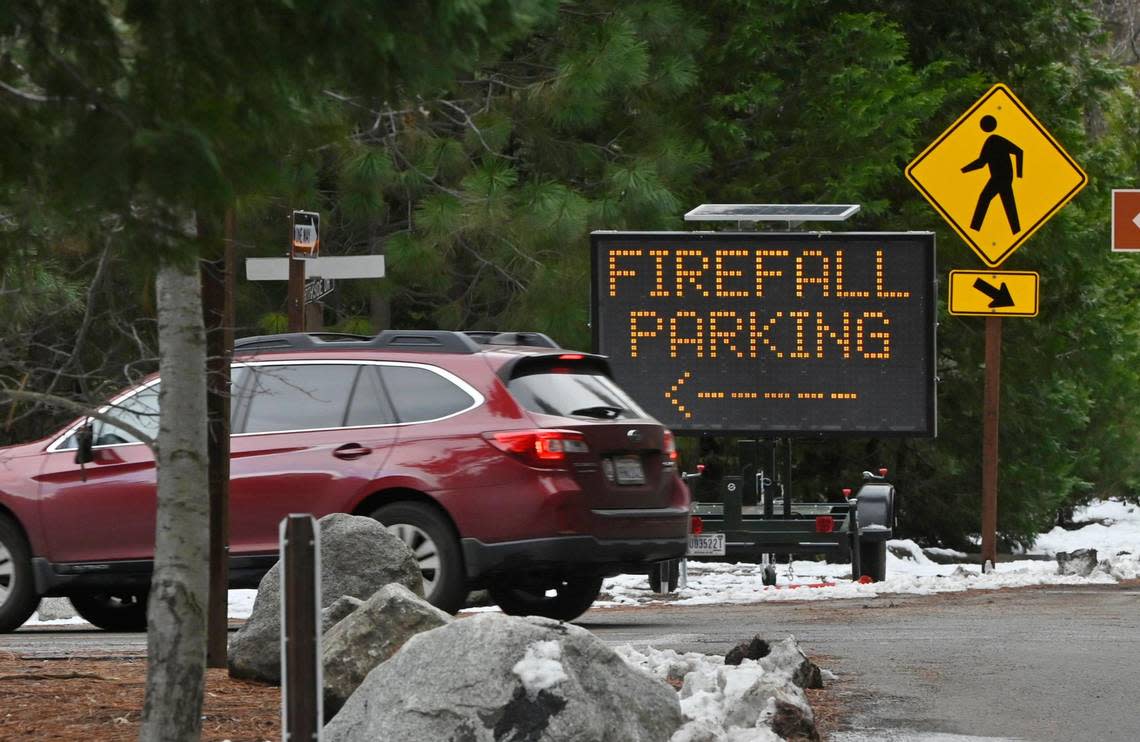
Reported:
(351, 451)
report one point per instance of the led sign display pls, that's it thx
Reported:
(783, 334)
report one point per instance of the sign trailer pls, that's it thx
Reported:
(774, 335)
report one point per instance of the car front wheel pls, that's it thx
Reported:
(562, 600)
(18, 599)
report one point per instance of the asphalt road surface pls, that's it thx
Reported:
(1038, 664)
(1028, 664)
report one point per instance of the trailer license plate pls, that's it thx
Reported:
(706, 544)
(628, 470)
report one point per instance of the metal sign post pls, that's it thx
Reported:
(302, 700)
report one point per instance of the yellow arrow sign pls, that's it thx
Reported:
(986, 293)
(996, 175)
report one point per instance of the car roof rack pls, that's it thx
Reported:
(517, 339)
(438, 341)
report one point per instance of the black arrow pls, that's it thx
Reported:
(1001, 297)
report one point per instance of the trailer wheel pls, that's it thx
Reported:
(873, 558)
(668, 572)
(769, 576)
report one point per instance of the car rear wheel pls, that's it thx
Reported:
(431, 540)
(570, 599)
(125, 611)
(668, 573)
(18, 599)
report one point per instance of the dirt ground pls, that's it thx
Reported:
(100, 699)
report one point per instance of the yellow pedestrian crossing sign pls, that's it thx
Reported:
(988, 293)
(996, 175)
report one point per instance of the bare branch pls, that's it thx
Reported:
(78, 408)
(27, 95)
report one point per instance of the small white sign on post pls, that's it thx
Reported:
(339, 266)
(306, 235)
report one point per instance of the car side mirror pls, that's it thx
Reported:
(84, 440)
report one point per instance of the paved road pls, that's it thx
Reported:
(1029, 664)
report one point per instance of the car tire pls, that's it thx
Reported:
(18, 599)
(572, 598)
(669, 572)
(119, 611)
(434, 546)
(873, 558)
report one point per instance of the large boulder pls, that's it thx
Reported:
(339, 610)
(495, 677)
(358, 557)
(371, 634)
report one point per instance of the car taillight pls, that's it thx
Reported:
(539, 447)
(696, 525)
(824, 524)
(669, 449)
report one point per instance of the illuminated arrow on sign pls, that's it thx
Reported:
(673, 395)
(1000, 297)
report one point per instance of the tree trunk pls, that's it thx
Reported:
(176, 636)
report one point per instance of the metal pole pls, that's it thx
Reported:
(788, 479)
(990, 440)
(301, 684)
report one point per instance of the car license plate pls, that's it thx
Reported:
(706, 544)
(628, 470)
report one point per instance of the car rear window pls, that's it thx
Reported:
(569, 389)
(420, 395)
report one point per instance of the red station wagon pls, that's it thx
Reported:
(502, 460)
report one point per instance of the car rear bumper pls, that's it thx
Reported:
(575, 555)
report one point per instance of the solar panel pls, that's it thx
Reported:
(771, 212)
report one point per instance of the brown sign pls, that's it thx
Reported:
(1125, 220)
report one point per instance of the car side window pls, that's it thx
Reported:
(370, 405)
(419, 394)
(298, 397)
(140, 410)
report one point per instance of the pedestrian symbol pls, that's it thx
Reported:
(996, 175)
(995, 155)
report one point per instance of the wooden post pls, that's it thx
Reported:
(990, 440)
(302, 701)
(218, 311)
(296, 298)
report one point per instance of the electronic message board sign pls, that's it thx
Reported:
(786, 334)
